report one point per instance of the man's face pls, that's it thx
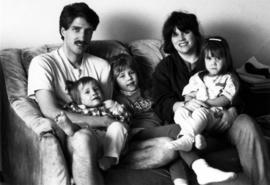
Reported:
(77, 36)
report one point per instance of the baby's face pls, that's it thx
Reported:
(213, 64)
(127, 80)
(91, 94)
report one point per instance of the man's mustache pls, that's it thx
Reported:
(81, 42)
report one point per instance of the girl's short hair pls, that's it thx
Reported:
(184, 22)
(73, 87)
(218, 47)
(119, 63)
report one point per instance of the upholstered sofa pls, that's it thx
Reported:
(33, 160)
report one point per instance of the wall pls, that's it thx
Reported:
(245, 23)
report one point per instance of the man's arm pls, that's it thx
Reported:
(50, 109)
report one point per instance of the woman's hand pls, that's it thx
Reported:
(194, 104)
(227, 119)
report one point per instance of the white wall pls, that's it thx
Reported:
(245, 23)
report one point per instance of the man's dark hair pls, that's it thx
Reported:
(184, 22)
(72, 11)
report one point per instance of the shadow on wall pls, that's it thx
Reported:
(244, 41)
(127, 27)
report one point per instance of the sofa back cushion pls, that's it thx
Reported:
(14, 73)
(147, 54)
(15, 62)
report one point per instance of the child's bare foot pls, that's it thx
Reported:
(65, 124)
(200, 142)
(184, 143)
(106, 162)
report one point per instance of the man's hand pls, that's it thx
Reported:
(45, 126)
(107, 121)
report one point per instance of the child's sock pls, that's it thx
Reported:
(179, 181)
(65, 124)
(200, 142)
(106, 162)
(207, 174)
(184, 143)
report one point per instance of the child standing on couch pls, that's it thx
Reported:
(139, 103)
(216, 87)
(88, 99)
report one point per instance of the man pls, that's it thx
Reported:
(46, 83)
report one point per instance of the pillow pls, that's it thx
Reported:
(106, 48)
(147, 54)
(29, 53)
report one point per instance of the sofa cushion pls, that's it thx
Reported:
(14, 73)
(29, 53)
(107, 48)
(147, 54)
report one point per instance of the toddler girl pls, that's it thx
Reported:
(88, 99)
(216, 87)
(139, 103)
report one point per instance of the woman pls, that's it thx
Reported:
(182, 41)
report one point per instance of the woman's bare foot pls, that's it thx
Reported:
(106, 162)
(65, 124)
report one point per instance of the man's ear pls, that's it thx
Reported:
(63, 32)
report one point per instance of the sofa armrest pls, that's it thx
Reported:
(30, 159)
(29, 111)
(27, 157)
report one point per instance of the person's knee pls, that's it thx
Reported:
(82, 140)
(244, 127)
(118, 127)
(244, 122)
(163, 154)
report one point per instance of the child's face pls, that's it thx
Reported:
(213, 64)
(91, 94)
(127, 80)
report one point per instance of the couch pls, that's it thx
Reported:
(31, 159)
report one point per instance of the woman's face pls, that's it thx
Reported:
(184, 42)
